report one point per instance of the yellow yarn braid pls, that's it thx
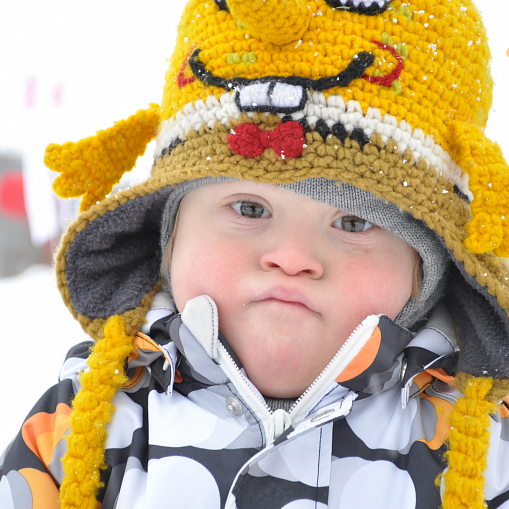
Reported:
(94, 165)
(468, 447)
(92, 410)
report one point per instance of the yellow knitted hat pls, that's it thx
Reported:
(389, 96)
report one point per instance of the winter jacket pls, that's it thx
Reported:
(191, 431)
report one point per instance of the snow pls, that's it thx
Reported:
(37, 331)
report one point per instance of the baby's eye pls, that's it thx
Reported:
(251, 209)
(352, 224)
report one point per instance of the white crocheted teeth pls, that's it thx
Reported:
(270, 96)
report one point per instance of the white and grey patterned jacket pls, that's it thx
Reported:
(190, 430)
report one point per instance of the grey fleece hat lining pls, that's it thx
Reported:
(115, 260)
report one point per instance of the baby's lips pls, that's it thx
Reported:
(287, 294)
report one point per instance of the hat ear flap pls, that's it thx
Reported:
(489, 183)
(92, 166)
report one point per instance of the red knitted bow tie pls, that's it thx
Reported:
(287, 140)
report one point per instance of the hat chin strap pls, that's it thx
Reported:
(431, 291)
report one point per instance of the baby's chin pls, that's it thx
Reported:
(282, 365)
(279, 383)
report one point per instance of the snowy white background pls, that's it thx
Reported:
(83, 65)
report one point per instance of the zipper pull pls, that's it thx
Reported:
(279, 422)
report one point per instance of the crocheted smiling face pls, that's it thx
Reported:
(273, 56)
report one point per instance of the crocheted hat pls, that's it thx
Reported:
(388, 97)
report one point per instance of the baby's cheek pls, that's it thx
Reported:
(381, 286)
(394, 284)
(208, 269)
(189, 273)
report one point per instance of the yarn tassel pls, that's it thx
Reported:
(468, 447)
(92, 410)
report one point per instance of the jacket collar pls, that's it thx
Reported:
(391, 356)
(401, 354)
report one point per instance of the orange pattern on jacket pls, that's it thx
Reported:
(42, 432)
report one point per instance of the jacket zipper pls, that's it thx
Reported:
(350, 348)
(249, 393)
(255, 400)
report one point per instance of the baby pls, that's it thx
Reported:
(305, 304)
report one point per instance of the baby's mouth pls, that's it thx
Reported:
(287, 303)
(287, 296)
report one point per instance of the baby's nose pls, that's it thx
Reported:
(293, 258)
(274, 21)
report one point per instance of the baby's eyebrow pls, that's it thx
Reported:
(349, 214)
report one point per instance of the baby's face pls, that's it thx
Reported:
(290, 278)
